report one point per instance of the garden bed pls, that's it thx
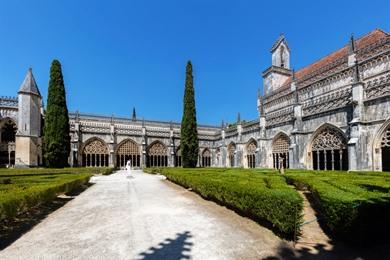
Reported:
(23, 189)
(261, 195)
(354, 206)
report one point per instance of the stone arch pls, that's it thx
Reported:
(157, 155)
(178, 157)
(381, 148)
(231, 152)
(218, 157)
(251, 149)
(280, 147)
(127, 150)
(95, 153)
(8, 128)
(206, 158)
(328, 149)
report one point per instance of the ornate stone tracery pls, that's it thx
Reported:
(128, 151)
(251, 147)
(128, 147)
(251, 153)
(281, 144)
(95, 154)
(158, 149)
(158, 155)
(231, 153)
(328, 139)
(329, 150)
(206, 158)
(386, 139)
(280, 147)
(95, 147)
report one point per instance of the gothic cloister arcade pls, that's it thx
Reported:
(280, 146)
(381, 148)
(128, 150)
(178, 157)
(251, 153)
(231, 154)
(206, 158)
(218, 160)
(95, 153)
(157, 155)
(7, 142)
(329, 149)
(385, 149)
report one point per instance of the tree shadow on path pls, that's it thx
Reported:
(177, 248)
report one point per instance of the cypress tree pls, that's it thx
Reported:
(189, 144)
(56, 130)
(134, 117)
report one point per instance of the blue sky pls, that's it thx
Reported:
(119, 54)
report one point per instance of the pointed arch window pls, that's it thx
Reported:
(95, 154)
(206, 158)
(329, 150)
(157, 155)
(231, 154)
(128, 151)
(251, 154)
(280, 147)
(178, 158)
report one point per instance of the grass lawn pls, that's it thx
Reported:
(354, 206)
(22, 189)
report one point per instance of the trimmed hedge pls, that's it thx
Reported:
(43, 171)
(355, 206)
(29, 190)
(263, 197)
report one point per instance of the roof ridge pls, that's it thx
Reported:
(340, 49)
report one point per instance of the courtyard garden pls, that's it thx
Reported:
(352, 206)
(23, 189)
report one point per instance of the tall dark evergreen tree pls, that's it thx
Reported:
(134, 117)
(189, 144)
(56, 130)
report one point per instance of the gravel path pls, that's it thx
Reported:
(143, 217)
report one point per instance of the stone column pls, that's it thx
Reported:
(143, 143)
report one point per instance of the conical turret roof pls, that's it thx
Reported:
(29, 85)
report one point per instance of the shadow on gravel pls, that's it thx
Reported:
(13, 229)
(177, 248)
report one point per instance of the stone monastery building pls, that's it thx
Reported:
(332, 114)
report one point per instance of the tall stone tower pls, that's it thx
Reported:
(28, 137)
(280, 71)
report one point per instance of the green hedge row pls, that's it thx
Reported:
(263, 197)
(42, 171)
(25, 192)
(355, 206)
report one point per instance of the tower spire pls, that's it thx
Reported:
(351, 45)
(29, 86)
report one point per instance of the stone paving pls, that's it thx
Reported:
(143, 217)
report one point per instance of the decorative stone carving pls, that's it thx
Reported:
(329, 139)
(158, 149)
(96, 147)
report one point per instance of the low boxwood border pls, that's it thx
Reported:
(266, 199)
(15, 203)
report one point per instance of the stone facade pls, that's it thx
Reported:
(333, 114)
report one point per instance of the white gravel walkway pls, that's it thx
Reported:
(144, 217)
